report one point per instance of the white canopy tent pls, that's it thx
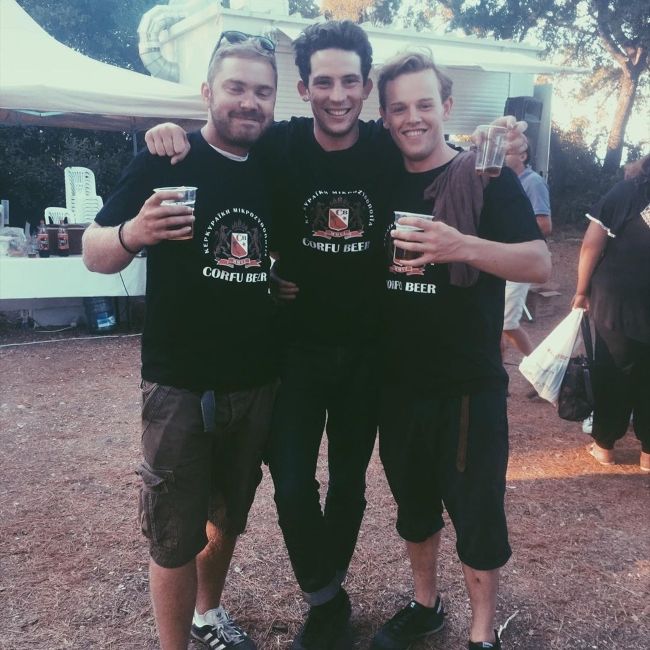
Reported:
(46, 83)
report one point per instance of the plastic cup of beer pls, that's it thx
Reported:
(399, 254)
(491, 149)
(187, 198)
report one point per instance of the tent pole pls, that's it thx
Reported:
(134, 135)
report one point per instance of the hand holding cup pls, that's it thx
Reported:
(162, 217)
(427, 241)
(179, 197)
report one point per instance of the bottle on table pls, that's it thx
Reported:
(32, 246)
(62, 240)
(43, 240)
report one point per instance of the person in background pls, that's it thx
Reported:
(516, 292)
(614, 286)
(208, 368)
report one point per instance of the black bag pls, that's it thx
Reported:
(576, 399)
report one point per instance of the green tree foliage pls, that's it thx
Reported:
(306, 8)
(612, 37)
(384, 11)
(104, 30)
(34, 159)
(575, 180)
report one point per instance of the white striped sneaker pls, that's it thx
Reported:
(218, 631)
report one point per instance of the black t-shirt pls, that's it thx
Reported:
(327, 211)
(620, 286)
(208, 315)
(441, 338)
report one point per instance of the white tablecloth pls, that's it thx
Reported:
(66, 277)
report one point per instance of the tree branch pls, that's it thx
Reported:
(602, 19)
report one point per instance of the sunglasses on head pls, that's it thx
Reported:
(233, 37)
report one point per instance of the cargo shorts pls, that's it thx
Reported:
(190, 476)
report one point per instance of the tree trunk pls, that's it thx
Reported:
(626, 95)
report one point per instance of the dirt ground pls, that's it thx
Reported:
(73, 566)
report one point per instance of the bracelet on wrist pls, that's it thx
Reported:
(120, 236)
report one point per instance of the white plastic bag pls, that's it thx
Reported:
(545, 366)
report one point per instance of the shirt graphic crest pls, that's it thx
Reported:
(337, 217)
(238, 245)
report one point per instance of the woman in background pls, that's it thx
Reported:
(614, 286)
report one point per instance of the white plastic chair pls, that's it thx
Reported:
(81, 194)
(78, 180)
(57, 215)
(87, 208)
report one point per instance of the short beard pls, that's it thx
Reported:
(222, 127)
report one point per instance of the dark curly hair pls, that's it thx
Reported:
(339, 34)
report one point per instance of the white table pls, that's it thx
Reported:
(66, 277)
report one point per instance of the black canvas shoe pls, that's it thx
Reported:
(218, 631)
(409, 624)
(326, 627)
(482, 645)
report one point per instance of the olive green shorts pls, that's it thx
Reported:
(190, 476)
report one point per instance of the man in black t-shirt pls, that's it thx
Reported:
(443, 426)
(208, 374)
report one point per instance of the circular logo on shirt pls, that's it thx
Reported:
(334, 218)
(236, 240)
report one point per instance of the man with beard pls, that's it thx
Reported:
(330, 175)
(208, 374)
(443, 429)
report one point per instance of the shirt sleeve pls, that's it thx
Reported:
(607, 210)
(537, 191)
(134, 188)
(507, 214)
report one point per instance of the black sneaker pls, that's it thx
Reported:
(409, 624)
(326, 627)
(218, 631)
(482, 645)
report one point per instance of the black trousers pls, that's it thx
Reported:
(621, 384)
(318, 384)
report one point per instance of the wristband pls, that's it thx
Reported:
(120, 237)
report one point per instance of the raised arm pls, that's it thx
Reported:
(109, 249)
(593, 245)
(516, 140)
(439, 243)
(167, 139)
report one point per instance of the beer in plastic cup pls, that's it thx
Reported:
(399, 254)
(188, 199)
(491, 150)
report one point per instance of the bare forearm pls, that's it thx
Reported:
(589, 256)
(102, 251)
(592, 248)
(524, 262)
(545, 224)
